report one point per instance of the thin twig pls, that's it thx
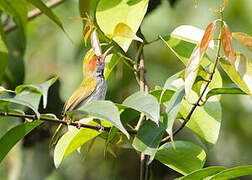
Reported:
(34, 13)
(59, 121)
(188, 117)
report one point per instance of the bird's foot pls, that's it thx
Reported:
(100, 127)
(78, 124)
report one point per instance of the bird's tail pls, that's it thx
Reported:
(56, 135)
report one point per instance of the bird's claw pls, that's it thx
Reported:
(100, 127)
(78, 124)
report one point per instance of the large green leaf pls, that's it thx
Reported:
(186, 158)
(40, 88)
(144, 103)
(3, 51)
(205, 120)
(111, 13)
(172, 109)
(233, 173)
(18, 10)
(104, 110)
(241, 73)
(14, 135)
(217, 91)
(148, 137)
(47, 11)
(27, 98)
(203, 173)
(71, 141)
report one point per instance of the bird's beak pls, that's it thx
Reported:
(106, 52)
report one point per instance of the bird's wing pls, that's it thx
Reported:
(86, 88)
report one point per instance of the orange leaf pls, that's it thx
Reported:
(224, 4)
(95, 43)
(208, 36)
(244, 39)
(196, 57)
(226, 39)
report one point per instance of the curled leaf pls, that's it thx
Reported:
(87, 30)
(226, 39)
(123, 30)
(244, 39)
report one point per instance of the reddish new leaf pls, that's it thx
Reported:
(87, 30)
(95, 43)
(224, 4)
(196, 57)
(208, 36)
(226, 39)
(244, 39)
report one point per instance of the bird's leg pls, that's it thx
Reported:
(78, 124)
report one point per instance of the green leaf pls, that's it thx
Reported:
(148, 137)
(3, 50)
(110, 13)
(217, 91)
(166, 96)
(17, 9)
(238, 77)
(27, 98)
(187, 157)
(62, 145)
(144, 103)
(233, 173)
(40, 88)
(14, 135)
(168, 83)
(110, 62)
(205, 120)
(104, 110)
(47, 11)
(172, 110)
(203, 173)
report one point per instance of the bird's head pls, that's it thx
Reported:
(96, 64)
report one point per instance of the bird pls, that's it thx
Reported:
(93, 86)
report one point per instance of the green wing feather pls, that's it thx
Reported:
(86, 88)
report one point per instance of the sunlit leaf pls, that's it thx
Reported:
(196, 3)
(233, 173)
(103, 110)
(3, 51)
(14, 135)
(217, 91)
(17, 9)
(205, 120)
(168, 83)
(95, 43)
(226, 39)
(240, 74)
(144, 103)
(123, 30)
(2, 90)
(244, 39)
(186, 158)
(110, 13)
(203, 173)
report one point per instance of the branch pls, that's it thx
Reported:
(188, 117)
(59, 121)
(33, 14)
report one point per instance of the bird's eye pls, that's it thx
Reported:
(98, 60)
